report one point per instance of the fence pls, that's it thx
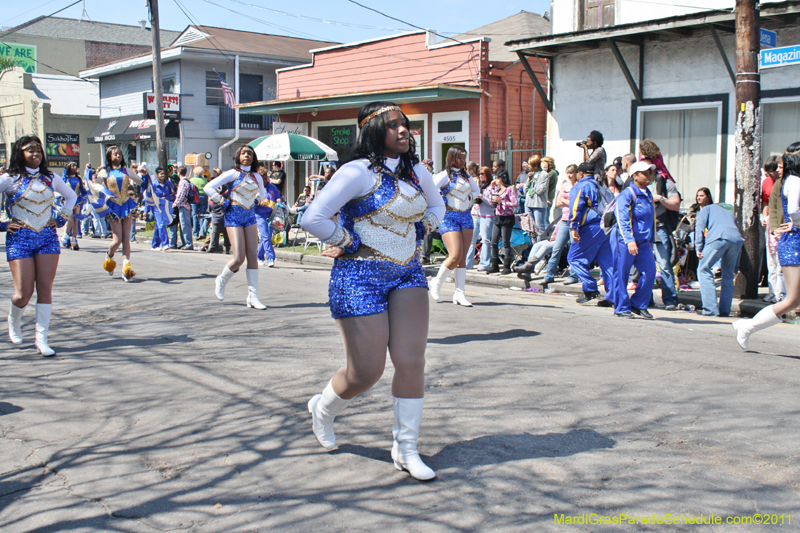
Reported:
(227, 120)
(512, 152)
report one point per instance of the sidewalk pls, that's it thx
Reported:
(739, 307)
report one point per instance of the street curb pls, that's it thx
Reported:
(740, 307)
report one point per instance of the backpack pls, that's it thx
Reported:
(604, 198)
(671, 218)
(191, 195)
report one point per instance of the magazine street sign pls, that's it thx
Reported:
(779, 57)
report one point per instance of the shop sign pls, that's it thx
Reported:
(289, 127)
(24, 54)
(172, 106)
(62, 148)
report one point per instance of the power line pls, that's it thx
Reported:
(23, 26)
(324, 21)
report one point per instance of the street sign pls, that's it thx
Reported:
(769, 39)
(779, 57)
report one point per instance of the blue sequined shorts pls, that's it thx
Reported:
(238, 216)
(362, 287)
(789, 248)
(25, 243)
(455, 221)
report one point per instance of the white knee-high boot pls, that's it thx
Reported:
(43, 312)
(407, 418)
(15, 324)
(435, 285)
(324, 408)
(747, 326)
(459, 297)
(252, 289)
(221, 281)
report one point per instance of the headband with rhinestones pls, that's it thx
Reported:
(32, 145)
(378, 112)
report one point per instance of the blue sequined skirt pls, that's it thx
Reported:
(238, 216)
(119, 211)
(24, 243)
(362, 287)
(456, 221)
(789, 248)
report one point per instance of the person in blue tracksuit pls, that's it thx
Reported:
(263, 213)
(590, 243)
(632, 238)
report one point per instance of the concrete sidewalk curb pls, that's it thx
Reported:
(741, 307)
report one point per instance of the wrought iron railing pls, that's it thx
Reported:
(227, 120)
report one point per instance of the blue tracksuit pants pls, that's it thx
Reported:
(265, 248)
(645, 262)
(594, 246)
(160, 237)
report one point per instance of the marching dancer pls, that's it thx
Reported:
(110, 200)
(386, 202)
(459, 190)
(32, 246)
(244, 185)
(75, 182)
(158, 196)
(788, 252)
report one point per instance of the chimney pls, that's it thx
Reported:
(143, 24)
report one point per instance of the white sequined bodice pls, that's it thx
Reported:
(389, 231)
(459, 198)
(245, 193)
(34, 208)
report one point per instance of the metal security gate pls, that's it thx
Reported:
(511, 151)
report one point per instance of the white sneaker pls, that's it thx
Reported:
(262, 263)
(271, 264)
(539, 266)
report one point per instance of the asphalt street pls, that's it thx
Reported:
(166, 410)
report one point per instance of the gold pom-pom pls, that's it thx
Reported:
(109, 265)
(128, 271)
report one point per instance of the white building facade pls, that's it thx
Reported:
(669, 83)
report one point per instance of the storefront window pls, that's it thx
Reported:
(150, 154)
(340, 138)
(781, 122)
(688, 142)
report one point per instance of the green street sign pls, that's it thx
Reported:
(24, 54)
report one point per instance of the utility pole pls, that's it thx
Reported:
(157, 87)
(748, 142)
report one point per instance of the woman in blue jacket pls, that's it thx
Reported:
(632, 239)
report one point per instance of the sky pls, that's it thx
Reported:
(346, 21)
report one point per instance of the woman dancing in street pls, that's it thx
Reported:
(244, 186)
(75, 182)
(459, 190)
(32, 246)
(386, 203)
(110, 200)
(788, 252)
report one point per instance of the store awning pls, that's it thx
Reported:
(425, 93)
(129, 128)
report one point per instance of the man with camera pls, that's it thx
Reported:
(597, 157)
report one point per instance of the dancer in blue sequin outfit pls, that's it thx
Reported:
(32, 246)
(386, 203)
(459, 190)
(788, 235)
(75, 182)
(109, 188)
(245, 191)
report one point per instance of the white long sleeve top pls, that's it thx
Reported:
(8, 183)
(791, 188)
(213, 187)
(442, 179)
(355, 180)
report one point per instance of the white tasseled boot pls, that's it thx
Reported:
(221, 281)
(15, 324)
(43, 312)
(435, 285)
(252, 289)
(324, 408)
(747, 326)
(459, 298)
(407, 418)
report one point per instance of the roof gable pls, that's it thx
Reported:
(87, 30)
(519, 26)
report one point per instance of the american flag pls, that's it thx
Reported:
(227, 92)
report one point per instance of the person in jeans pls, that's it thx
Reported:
(536, 195)
(716, 239)
(503, 197)
(184, 213)
(482, 220)
(199, 222)
(218, 226)
(562, 233)
(770, 176)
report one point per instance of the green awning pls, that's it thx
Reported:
(407, 95)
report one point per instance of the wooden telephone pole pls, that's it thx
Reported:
(748, 141)
(157, 87)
